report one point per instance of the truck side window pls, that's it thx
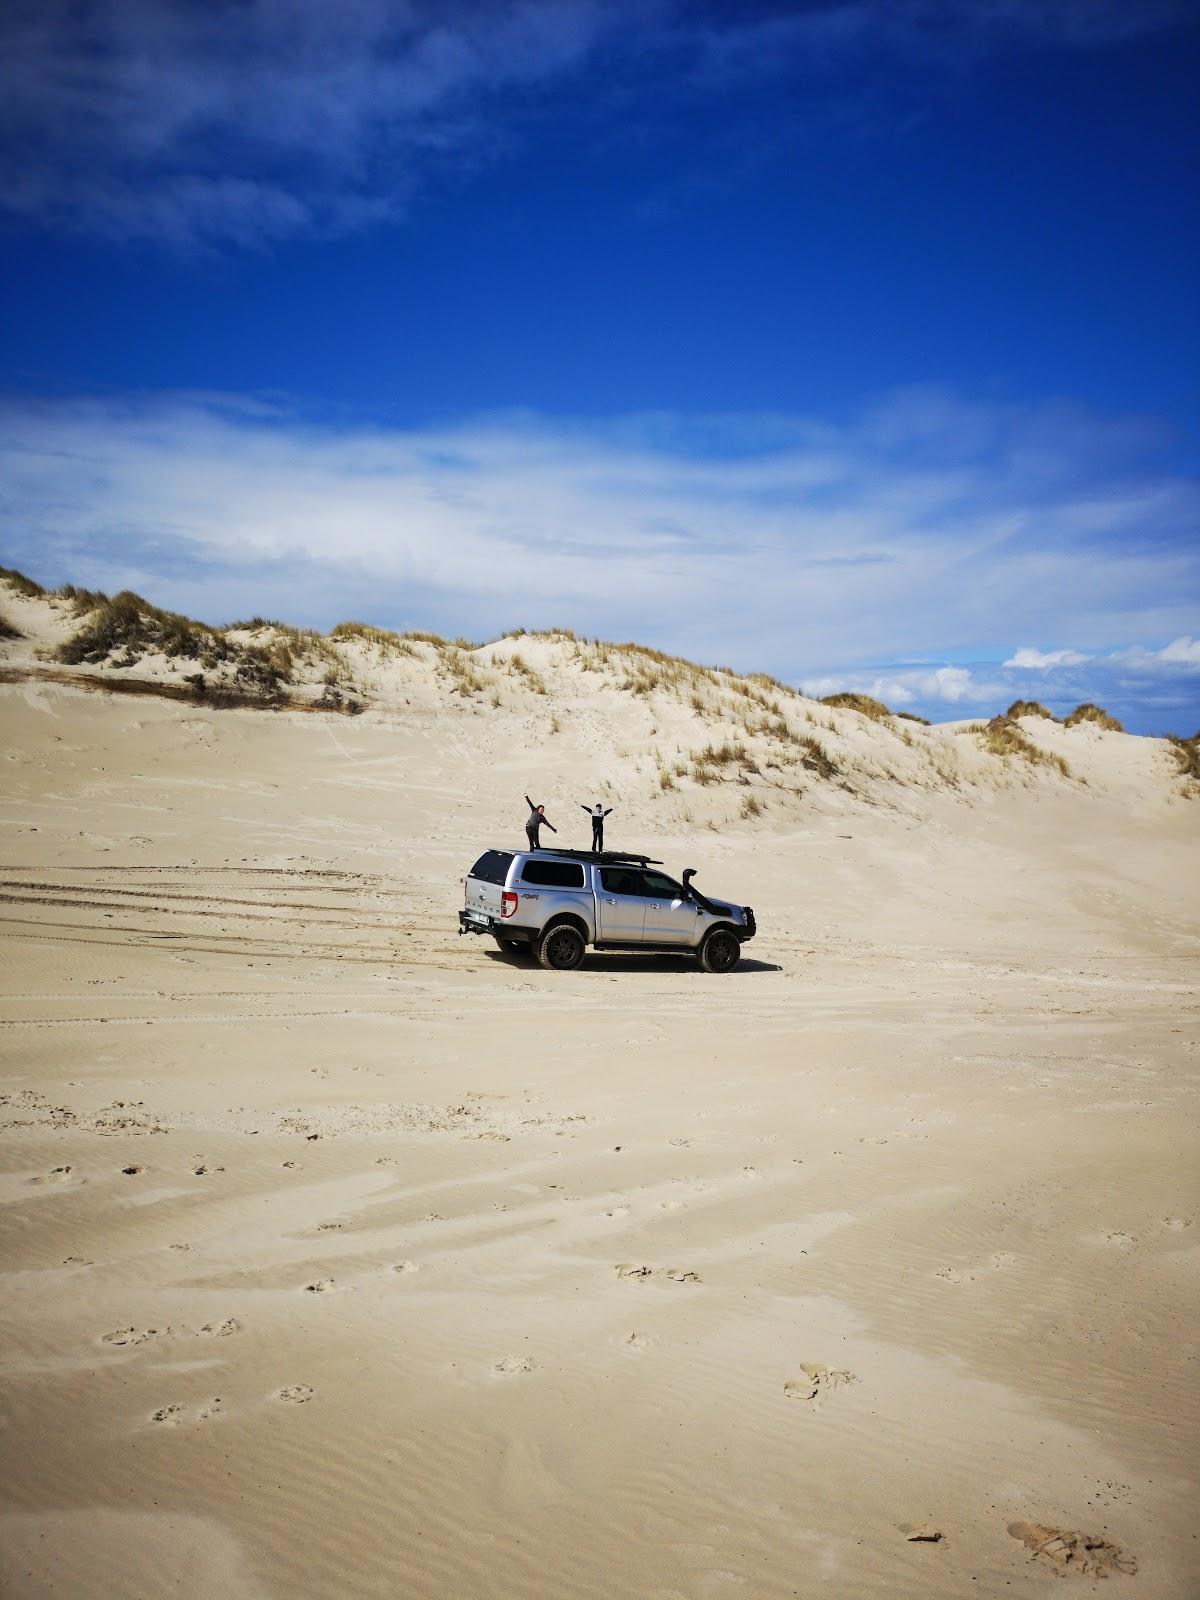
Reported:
(620, 880)
(659, 886)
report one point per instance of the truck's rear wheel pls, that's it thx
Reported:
(720, 951)
(561, 948)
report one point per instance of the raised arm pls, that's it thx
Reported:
(609, 812)
(588, 809)
(550, 825)
(530, 803)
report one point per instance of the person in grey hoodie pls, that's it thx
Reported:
(597, 814)
(537, 816)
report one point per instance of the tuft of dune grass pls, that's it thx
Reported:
(385, 641)
(751, 806)
(911, 716)
(20, 584)
(1088, 712)
(1028, 708)
(866, 705)
(1003, 738)
(7, 631)
(1187, 755)
(82, 601)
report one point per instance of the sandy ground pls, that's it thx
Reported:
(343, 1257)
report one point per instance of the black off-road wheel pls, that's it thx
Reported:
(561, 948)
(720, 951)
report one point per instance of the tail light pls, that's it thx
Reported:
(464, 891)
(508, 903)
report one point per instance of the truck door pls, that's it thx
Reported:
(670, 915)
(620, 905)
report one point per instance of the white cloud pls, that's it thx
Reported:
(1037, 660)
(1185, 651)
(776, 543)
(940, 686)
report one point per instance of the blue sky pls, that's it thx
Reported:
(857, 342)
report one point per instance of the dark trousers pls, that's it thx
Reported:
(597, 837)
(532, 835)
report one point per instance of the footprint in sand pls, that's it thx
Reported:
(174, 1415)
(818, 1381)
(321, 1286)
(55, 1175)
(406, 1266)
(130, 1172)
(637, 1341)
(627, 1269)
(1085, 1554)
(295, 1394)
(1119, 1240)
(221, 1330)
(995, 1263)
(1176, 1224)
(131, 1336)
(513, 1367)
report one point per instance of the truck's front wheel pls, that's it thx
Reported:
(561, 948)
(720, 951)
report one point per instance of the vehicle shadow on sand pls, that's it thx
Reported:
(658, 962)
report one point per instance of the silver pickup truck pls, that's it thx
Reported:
(558, 902)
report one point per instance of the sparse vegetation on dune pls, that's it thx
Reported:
(7, 631)
(751, 807)
(383, 639)
(866, 705)
(20, 584)
(82, 600)
(130, 623)
(1088, 712)
(1029, 708)
(911, 716)
(1187, 755)
(1002, 737)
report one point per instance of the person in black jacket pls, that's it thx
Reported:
(597, 814)
(537, 816)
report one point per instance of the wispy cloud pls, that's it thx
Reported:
(193, 124)
(916, 530)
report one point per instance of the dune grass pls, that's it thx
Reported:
(128, 622)
(7, 631)
(82, 600)
(1187, 755)
(911, 716)
(28, 588)
(383, 639)
(866, 705)
(1029, 708)
(1001, 737)
(1088, 712)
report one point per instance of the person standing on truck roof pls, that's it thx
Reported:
(597, 814)
(537, 816)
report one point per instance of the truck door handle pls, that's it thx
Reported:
(609, 902)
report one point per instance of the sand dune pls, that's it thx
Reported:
(343, 1257)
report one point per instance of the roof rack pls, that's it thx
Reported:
(610, 858)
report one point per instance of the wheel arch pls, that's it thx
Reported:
(570, 919)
